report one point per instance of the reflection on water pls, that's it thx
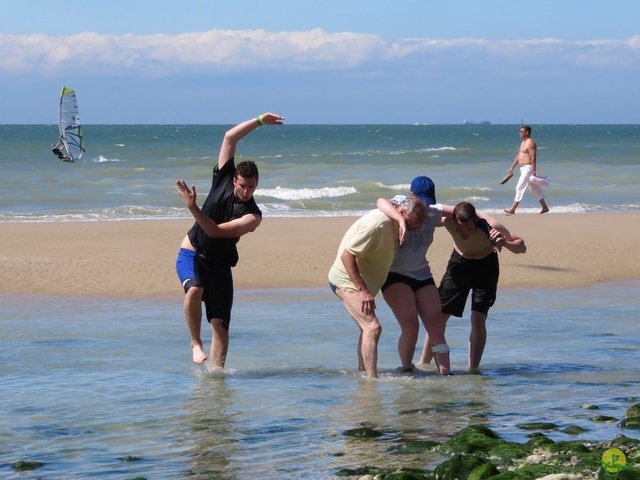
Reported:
(210, 415)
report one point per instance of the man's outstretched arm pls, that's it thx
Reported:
(237, 133)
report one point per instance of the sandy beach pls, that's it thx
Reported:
(137, 258)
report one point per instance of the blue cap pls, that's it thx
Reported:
(424, 189)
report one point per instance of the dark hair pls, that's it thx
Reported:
(526, 128)
(464, 211)
(247, 170)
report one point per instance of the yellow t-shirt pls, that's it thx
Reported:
(372, 239)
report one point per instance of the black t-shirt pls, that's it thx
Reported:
(221, 206)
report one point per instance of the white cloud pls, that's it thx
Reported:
(320, 77)
(545, 52)
(227, 50)
(165, 53)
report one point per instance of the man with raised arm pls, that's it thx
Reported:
(208, 251)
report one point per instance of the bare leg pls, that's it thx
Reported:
(361, 367)
(428, 302)
(219, 342)
(545, 209)
(370, 331)
(477, 340)
(512, 210)
(402, 302)
(193, 314)
(427, 354)
(370, 336)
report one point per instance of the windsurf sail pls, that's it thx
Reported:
(69, 124)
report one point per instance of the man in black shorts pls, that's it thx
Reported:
(473, 266)
(208, 251)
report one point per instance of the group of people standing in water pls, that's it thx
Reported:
(384, 250)
(396, 237)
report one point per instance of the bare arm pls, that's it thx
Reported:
(514, 243)
(388, 207)
(232, 229)
(503, 238)
(237, 133)
(368, 303)
(533, 151)
(515, 163)
(447, 214)
(447, 211)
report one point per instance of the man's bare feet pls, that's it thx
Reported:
(508, 211)
(544, 210)
(198, 354)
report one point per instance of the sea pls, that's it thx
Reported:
(99, 387)
(129, 171)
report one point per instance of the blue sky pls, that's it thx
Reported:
(346, 61)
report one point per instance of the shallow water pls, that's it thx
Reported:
(89, 383)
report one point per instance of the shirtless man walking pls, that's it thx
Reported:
(526, 158)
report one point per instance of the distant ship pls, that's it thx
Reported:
(483, 122)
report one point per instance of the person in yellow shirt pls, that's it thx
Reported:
(361, 267)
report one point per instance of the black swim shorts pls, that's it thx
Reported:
(215, 279)
(414, 284)
(463, 275)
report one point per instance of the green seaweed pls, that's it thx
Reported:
(478, 439)
(604, 418)
(538, 426)
(26, 465)
(458, 466)
(574, 430)
(633, 412)
(363, 432)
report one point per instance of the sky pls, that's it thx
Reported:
(322, 62)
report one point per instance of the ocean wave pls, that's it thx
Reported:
(476, 199)
(102, 159)
(284, 193)
(396, 152)
(126, 212)
(398, 187)
(272, 209)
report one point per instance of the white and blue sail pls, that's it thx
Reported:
(69, 124)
